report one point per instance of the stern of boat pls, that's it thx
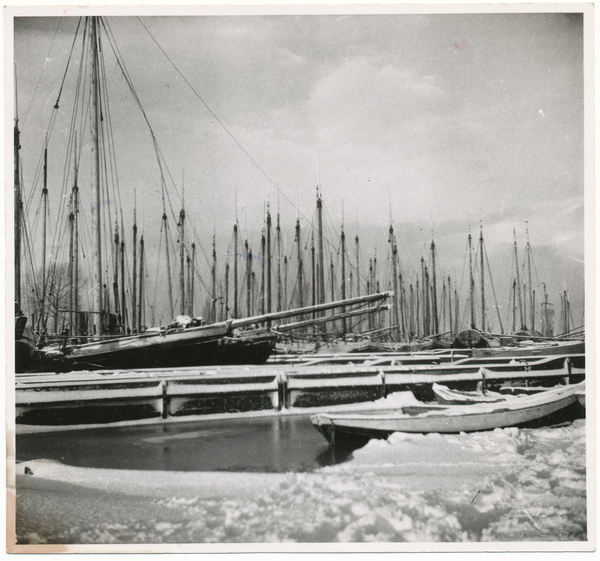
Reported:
(341, 439)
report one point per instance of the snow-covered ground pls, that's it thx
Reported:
(509, 485)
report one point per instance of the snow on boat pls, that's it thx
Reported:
(448, 396)
(353, 430)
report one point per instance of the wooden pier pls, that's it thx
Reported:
(155, 395)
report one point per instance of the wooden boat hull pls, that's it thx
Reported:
(203, 346)
(356, 428)
(224, 343)
(540, 349)
(26, 354)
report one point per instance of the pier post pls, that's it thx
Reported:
(165, 400)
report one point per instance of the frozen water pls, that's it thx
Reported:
(501, 486)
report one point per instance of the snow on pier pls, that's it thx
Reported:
(106, 397)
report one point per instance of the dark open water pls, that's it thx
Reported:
(264, 444)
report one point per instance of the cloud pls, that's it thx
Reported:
(364, 102)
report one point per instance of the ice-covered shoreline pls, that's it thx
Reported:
(508, 485)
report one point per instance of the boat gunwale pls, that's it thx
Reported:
(436, 411)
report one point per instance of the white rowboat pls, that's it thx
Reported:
(351, 429)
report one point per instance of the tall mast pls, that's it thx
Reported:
(533, 309)
(123, 305)
(343, 242)
(188, 262)
(376, 274)
(214, 281)
(424, 298)
(18, 207)
(44, 230)
(300, 281)
(402, 302)
(396, 316)
(547, 328)
(226, 289)
(514, 308)
(76, 240)
(141, 287)
(456, 311)
(529, 283)
(191, 283)
(70, 268)
(313, 281)
(285, 280)
(427, 303)
(321, 257)
(134, 323)
(471, 285)
(182, 259)
(263, 287)
(417, 308)
(269, 292)
(248, 280)
(450, 306)
(411, 318)
(278, 230)
(370, 288)
(169, 280)
(116, 271)
(235, 271)
(567, 327)
(95, 131)
(332, 281)
(518, 291)
(434, 309)
(482, 279)
(443, 305)
(357, 266)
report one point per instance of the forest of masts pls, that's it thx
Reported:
(248, 281)
(74, 268)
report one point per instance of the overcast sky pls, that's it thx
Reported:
(437, 121)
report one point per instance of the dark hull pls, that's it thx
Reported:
(26, 355)
(169, 351)
(244, 351)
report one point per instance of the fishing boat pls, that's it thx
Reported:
(529, 347)
(185, 343)
(112, 335)
(356, 429)
(98, 321)
(25, 338)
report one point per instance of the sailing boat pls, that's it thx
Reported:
(187, 340)
(524, 342)
(186, 343)
(26, 354)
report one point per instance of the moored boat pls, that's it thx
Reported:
(355, 429)
(184, 343)
(26, 355)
